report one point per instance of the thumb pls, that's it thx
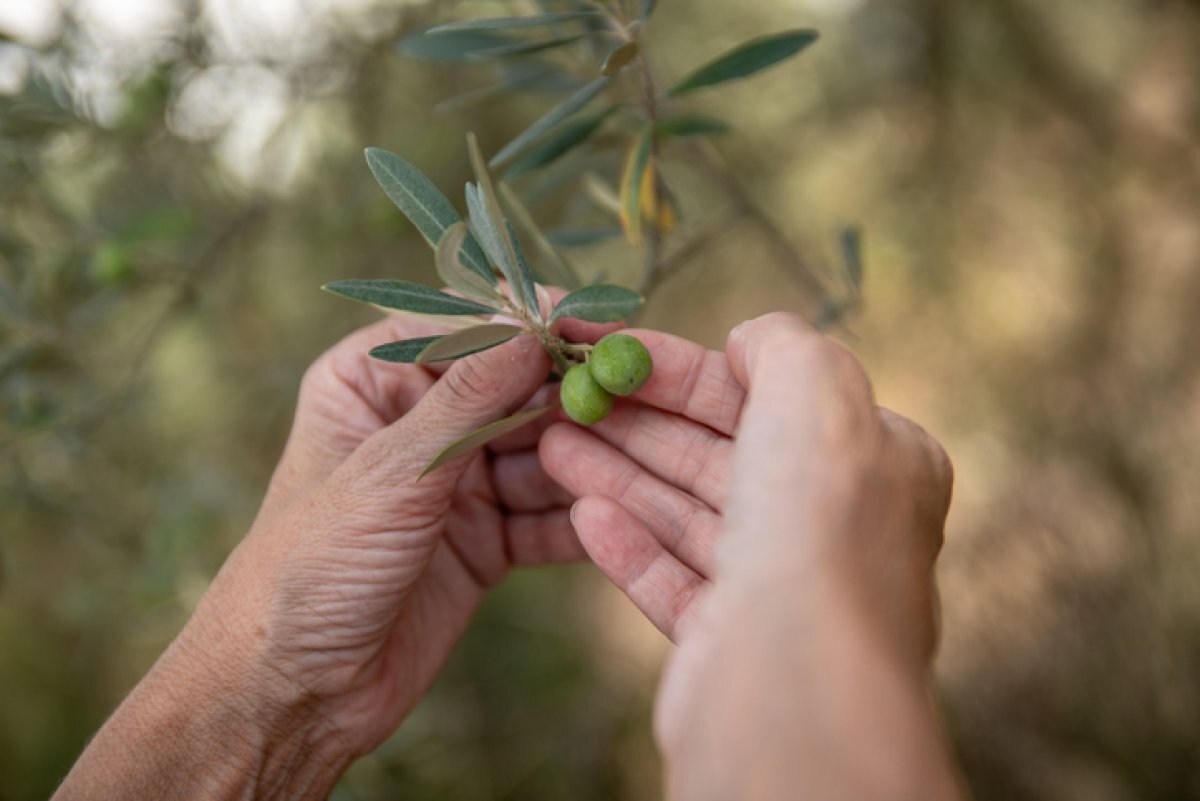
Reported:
(475, 391)
(753, 345)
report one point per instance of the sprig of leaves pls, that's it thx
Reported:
(470, 255)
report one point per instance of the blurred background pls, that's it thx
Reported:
(178, 177)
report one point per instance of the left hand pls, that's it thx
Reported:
(360, 578)
(335, 613)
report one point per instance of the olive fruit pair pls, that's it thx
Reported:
(617, 365)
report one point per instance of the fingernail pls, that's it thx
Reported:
(571, 514)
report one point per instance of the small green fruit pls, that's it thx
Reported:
(584, 401)
(620, 364)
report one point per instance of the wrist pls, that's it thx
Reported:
(262, 726)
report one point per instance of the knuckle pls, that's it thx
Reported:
(469, 382)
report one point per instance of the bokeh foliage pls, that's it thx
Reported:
(1028, 177)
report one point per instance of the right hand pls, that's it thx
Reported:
(815, 612)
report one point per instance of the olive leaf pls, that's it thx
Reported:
(568, 275)
(482, 436)
(691, 125)
(747, 59)
(406, 296)
(620, 57)
(550, 119)
(851, 242)
(457, 275)
(405, 351)
(488, 218)
(460, 46)
(632, 179)
(539, 78)
(604, 303)
(509, 23)
(426, 207)
(562, 142)
(525, 47)
(467, 341)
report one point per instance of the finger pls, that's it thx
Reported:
(475, 391)
(928, 467)
(545, 538)
(523, 486)
(658, 583)
(690, 380)
(580, 331)
(586, 465)
(684, 453)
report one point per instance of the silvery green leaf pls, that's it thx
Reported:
(426, 207)
(460, 46)
(499, 234)
(526, 274)
(567, 137)
(405, 351)
(550, 119)
(604, 303)
(692, 125)
(406, 296)
(528, 46)
(851, 241)
(467, 341)
(747, 59)
(568, 276)
(482, 436)
(456, 274)
(511, 23)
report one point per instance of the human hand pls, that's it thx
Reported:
(335, 613)
(829, 514)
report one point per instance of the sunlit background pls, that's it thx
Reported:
(178, 177)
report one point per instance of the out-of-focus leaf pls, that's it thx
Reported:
(831, 313)
(423, 204)
(620, 57)
(851, 241)
(405, 351)
(582, 237)
(460, 46)
(526, 47)
(550, 119)
(692, 125)
(406, 296)
(523, 263)
(604, 303)
(648, 8)
(747, 59)
(568, 276)
(499, 234)
(558, 145)
(510, 23)
(456, 274)
(632, 181)
(467, 341)
(482, 436)
(522, 79)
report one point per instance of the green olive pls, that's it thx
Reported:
(620, 364)
(584, 401)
